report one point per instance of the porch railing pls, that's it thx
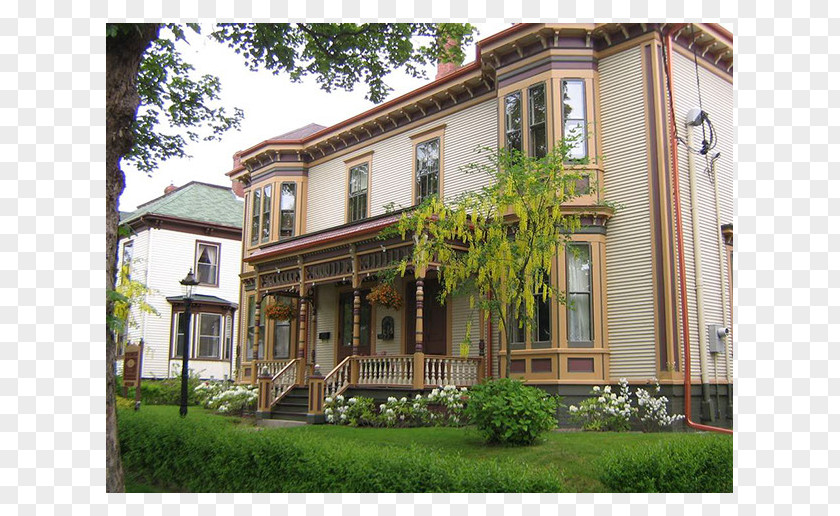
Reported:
(274, 366)
(386, 370)
(338, 379)
(459, 371)
(274, 387)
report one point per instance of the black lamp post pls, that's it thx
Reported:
(189, 283)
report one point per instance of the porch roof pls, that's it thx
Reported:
(343, 232)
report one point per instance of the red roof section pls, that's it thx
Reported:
(322, 237)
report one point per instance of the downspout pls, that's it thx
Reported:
(681, 248)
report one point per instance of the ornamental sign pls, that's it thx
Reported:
(131, 366)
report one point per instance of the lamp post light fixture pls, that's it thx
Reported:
(189, 284)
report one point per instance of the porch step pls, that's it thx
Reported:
(293, 406)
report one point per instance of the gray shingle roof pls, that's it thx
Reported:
(195, 201)
(300, 132)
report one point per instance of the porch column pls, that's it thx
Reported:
(301, 351)
(419, 356)
(256, 344)
(357, 320)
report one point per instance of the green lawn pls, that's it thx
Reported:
(575, 454)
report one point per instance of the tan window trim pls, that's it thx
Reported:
(417, 139)
(364, 158)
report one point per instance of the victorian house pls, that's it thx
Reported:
(652, 266)
(195, 227)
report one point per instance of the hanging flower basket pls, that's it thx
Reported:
(385, 295)
(280, 311)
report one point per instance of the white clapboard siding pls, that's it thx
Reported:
(327, 299)
(461, 313)
(391, 167)
(717, 96)
(630, 310)
(170, 256)
(393, 346)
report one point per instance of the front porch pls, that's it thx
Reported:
(286, 393)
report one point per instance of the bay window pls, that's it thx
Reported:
(574, 116)
(513, 121)
(537, 145)
(209, 335)
(579, 294)
(288, 196)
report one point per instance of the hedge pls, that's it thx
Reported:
(208, 454)
(694, 463)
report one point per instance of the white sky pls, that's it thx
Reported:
(272, 104)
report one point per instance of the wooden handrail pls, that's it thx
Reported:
(283, 382)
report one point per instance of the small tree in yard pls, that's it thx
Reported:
(511, 230)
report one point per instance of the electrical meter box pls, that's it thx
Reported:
(717, 338)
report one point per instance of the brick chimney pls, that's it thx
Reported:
(444, 69)
(237, 186)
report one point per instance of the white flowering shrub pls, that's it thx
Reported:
(451, 400)
(653, 410)
(355, 411)
(447, 406)
(225, 397)
(606, 410)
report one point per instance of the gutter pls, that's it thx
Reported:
(680, 246)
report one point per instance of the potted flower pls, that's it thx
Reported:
(280, 311)
(384, 294)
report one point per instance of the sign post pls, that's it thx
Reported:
(132, 366)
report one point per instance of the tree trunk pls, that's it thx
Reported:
(124, 52)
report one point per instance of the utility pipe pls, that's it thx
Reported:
(680, 247)
(722, 261)
(698, 272)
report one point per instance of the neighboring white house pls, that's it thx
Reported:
(197, 226)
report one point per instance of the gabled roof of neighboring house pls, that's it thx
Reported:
(195, 202)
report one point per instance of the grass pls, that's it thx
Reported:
(575, 454)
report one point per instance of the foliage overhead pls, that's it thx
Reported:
(509, 232)
(171, 96)
(340, 55)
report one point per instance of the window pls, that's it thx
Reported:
(282, 339)
(513, 121)
(574, 116)
(358, 192)
(256, 206)
(128, 255)
(427, 168)
(261, 215)
(209, 335)
(251, 328)
(579, 292)
(541, 323)
(180, 330)
(207, 263)
(537, 137)
(287, 209)
(542, 319)
(265, 232)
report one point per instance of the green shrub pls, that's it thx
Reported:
(506, 411)
(204, 453)
(694, 463)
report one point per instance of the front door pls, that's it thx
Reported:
(434, 318)
(345, 326)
